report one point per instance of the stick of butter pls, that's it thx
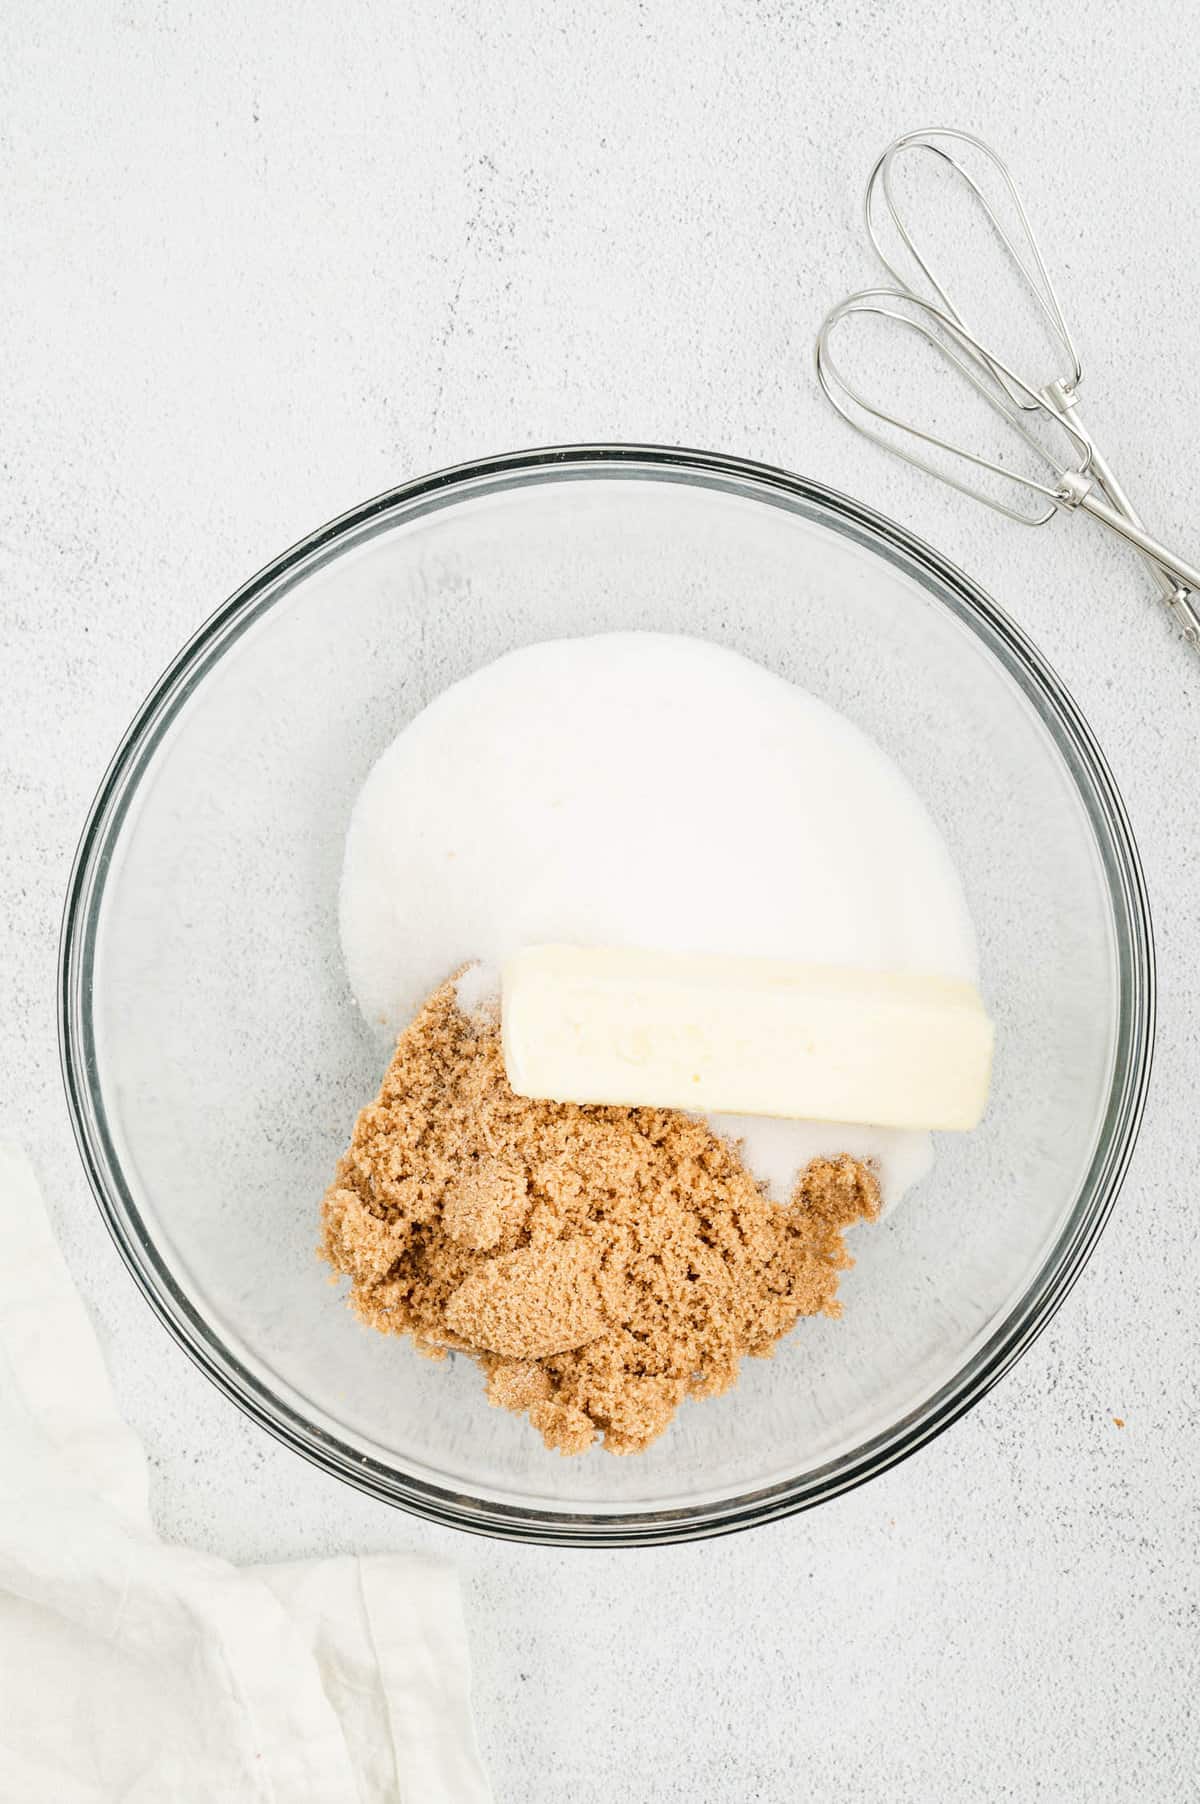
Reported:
(745, 1036)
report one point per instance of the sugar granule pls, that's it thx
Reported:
(601, 1264)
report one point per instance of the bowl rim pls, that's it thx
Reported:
(1062, 1262)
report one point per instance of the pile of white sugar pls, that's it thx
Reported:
(653, 791)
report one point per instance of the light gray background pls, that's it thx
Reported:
(263, 259)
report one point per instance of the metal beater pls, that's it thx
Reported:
(1076, 474)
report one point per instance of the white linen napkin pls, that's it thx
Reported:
(132, 1672)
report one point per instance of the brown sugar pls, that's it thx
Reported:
(601, 1264)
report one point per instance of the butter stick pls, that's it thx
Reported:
(745, 1036)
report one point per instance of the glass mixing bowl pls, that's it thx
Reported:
(214, 1058)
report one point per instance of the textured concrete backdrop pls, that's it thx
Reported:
(262, 260)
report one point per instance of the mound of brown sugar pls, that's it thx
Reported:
(601, 1264)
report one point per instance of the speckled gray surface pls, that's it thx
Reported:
(261, 262)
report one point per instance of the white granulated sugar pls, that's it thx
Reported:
(646, 790)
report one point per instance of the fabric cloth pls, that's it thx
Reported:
(132, 1672)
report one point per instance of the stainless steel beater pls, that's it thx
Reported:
(1076, 473)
